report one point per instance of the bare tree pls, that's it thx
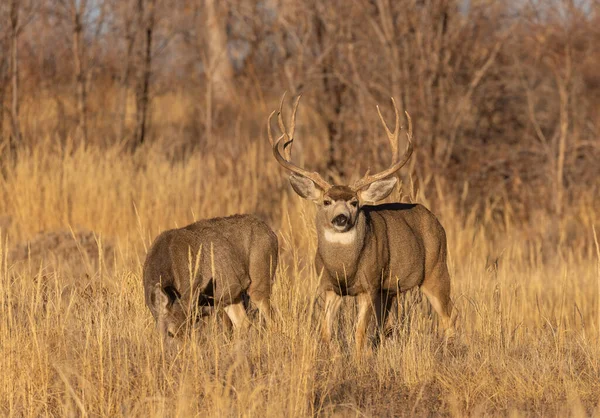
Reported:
(14, 74)
(83, 22)
(557, 59)
(77, 10)
(21, 13)
(146, 20)
(4, 66)
(327, 31)
(125, 12)
(220, 69)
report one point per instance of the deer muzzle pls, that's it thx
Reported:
(340, 220)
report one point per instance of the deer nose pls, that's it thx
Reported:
(340, 220)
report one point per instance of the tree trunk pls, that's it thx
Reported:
(143, 90)
(4, 71)
(220, 70)
(333, 93)
(15, 137)
(130, 40)
(80, 77)
(2, 95)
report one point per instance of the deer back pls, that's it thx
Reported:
(215, 252)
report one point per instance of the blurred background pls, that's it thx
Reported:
(504, 96)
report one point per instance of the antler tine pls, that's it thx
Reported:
(397, 163)
(288, 133)
(269, 128)
(285, 160)
(279, 121)
(409, 133)
(392, 136)
(288, 150)
(280, 117)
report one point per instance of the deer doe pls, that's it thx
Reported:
(371, 252)
(210, 263)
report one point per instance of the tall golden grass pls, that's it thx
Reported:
(84, 344)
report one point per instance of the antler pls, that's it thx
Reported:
(397, 163)
(288, 135)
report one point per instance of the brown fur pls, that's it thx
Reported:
(380, 251)
(341, 193)
(371, 252)
(402, 244)
(397, 247)
(229, 256)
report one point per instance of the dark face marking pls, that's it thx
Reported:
(340, 207)
(341, 193)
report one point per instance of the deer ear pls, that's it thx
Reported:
(160, 299)
(377, 191)
(305, 188)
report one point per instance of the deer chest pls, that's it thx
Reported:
(347, 281)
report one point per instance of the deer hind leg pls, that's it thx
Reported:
(265, 309)
(384, 314)
(436, 288)
(260, 295)
(225, 320)
(262, 272)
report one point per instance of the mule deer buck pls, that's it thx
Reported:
(372, 252)
(210, 262)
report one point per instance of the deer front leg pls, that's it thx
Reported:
(332, 305)
(237, 313)
(365, 311)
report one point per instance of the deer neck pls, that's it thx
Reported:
(340, 251)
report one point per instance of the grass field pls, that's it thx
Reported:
(77, 340)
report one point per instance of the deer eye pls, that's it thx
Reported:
(326, 202)
(354, 203)
(170, 334)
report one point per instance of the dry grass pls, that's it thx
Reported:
(74, 343)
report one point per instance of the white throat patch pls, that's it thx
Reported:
(344, 238)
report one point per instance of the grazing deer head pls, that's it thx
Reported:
(371, 252)
(170, 313)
